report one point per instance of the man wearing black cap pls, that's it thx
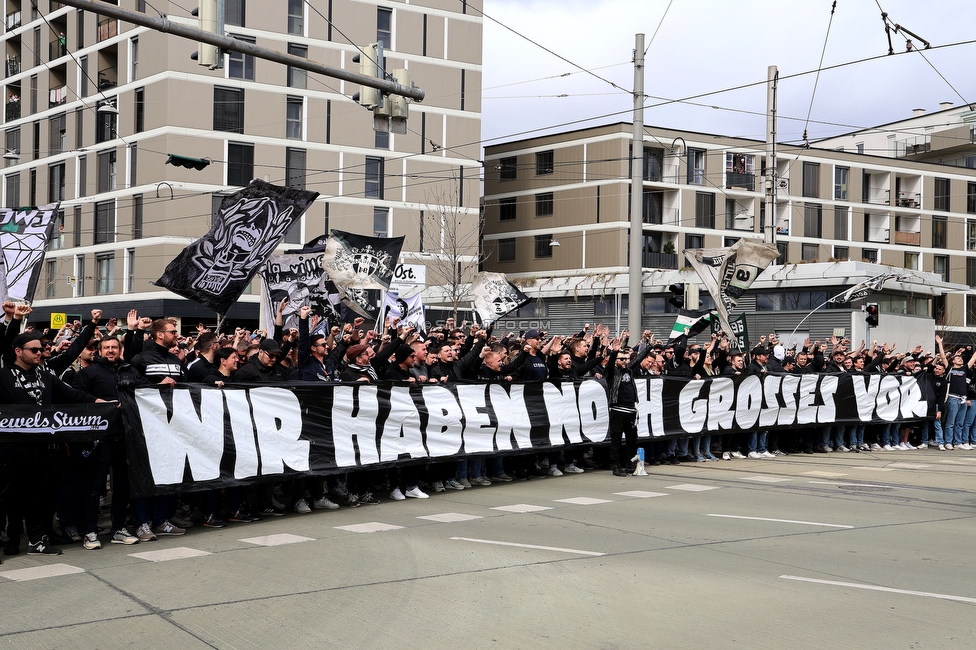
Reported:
(262, 367)
(623, 406)
(756, 441)
(25, 467)
(400, 371)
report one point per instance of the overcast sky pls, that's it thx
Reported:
(709, 45)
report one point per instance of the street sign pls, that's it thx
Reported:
(58, 321)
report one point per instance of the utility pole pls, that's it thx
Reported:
(636, 289)
(228, 44)
(769, 227)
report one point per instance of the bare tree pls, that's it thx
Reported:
(450, 243)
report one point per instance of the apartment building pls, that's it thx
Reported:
(557, 217)
(93, 107)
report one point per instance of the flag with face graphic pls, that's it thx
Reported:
(409, 309)
(215, 269)
(494, 296)
(359, 262)
(24, 235)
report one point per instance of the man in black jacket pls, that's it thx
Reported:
(263, 367)
(623, 407)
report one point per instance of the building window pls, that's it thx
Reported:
(941, 196)
(83, 73)
(79, 128)
(130, 270)
(971, 234)
(12, 191)
(381, 222)
(971, 271)
(842, 253)
(293, 118)
(79, 275)
(59, 134)
(81, 29)
(694, 241)
(82, 178)
(134, 58)
(841, 177)
(240, 65)
(812, 220)
(940, 265)
(971, 198)
(543, 204)
(809, 252)
(509, 169)
(12, 138)
(507, 209)
(234, 12)
(544, 162)
(55, 183)
(33, 93)
(228, 110)
(870, 255)
(911, 261)
(841, 223)
(384, 27)
(939, 229)
(374, 178)
(52, 278)
(295, 168)
(106, 171)
(36, 132)
(506, 250)
(784, 252)
(297, 76)
(140, 110)
(296, 17)
(811, 180)
(133, 164)
(653, 164)
(105, 270)
(543, 246)
(77, 226)
(106, 124)
(240, 163)
(704, 210)
(381, 140)
(104, 222)
(32, 187)
(740, 170)
(137, 216)
(696, 166)
(57, 237)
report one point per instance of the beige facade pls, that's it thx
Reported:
(558, 206)
(127, 213)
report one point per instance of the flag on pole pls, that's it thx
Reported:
(360, 262)
(689, 323)
(215, 269)
(865, 288)
(299, 278)
(24, 235)
(727, 273)
(409, 310)
(494, 296)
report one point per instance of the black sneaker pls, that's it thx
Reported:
(368, 499)
(351, 501)
(213, 522)
(43, 547)
(619, 471)
(241, 516)
(273, 512)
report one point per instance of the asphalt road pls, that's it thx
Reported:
(828, 551)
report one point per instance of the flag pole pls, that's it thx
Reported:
(828, 301)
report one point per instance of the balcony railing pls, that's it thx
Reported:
(909, 200)
(659, 260)
(877, 196)
(13, 110)
(108, 77)
(13, 20)
(740, 179)
(908, 238)
(13, 65)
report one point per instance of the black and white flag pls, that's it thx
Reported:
(216, 268)
(299, 278)
(359, 262)
(494, 296)
(24, 235)
(728, 273)
(410, 311)
(864, 289)
(689, 323)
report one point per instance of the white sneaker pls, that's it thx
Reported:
(842, 448)
(572, 469)
(122, 536)
(942, 447)
(875, 446)
(755, 455)
(438, 486)
(145, 534)
(450, 484)
(910, 446)
(91, 541)
(766, 454)
(397, 495)
(726, 455)
(888, 448)
(966, 446)
(301, 507)
(416, 493)
(949, 446)
(554, 471)
(736, 454)
(325, 504)
(922, 446)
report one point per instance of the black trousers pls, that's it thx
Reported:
(622, 424)
(26, 489)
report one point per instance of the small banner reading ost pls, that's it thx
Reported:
(195, 437)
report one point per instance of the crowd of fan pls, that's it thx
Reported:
(41, 483)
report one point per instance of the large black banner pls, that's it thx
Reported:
(59, 423)
(194, 437)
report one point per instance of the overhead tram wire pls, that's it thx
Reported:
(816, 81)
(658, 28)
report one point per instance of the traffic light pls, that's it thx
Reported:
(872, 314)
(211, 21)
(370, 60)
(677, 299)
(398, 103)
(186, 161)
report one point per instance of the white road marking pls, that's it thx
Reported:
(782, 521)
(450, 517)
(907, 592)
(177, 553)
(868, 485)
(38, 572)
(876, 469)
(522, 508)
(691, 487)
(640, 494)
(909, 465)
(583, 501)
(277, 540)
(540, 548)
(767, 479)
(369, 527)
(824, 474)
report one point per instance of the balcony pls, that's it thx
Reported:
(659, 260)
(13, 20)
(740, 180)
(13, 110)
(877, 196)
(58, 96)
(909, 200)
(108, 78)
(13, 65)
(107, 28)
(56, 49)
(908, 238)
